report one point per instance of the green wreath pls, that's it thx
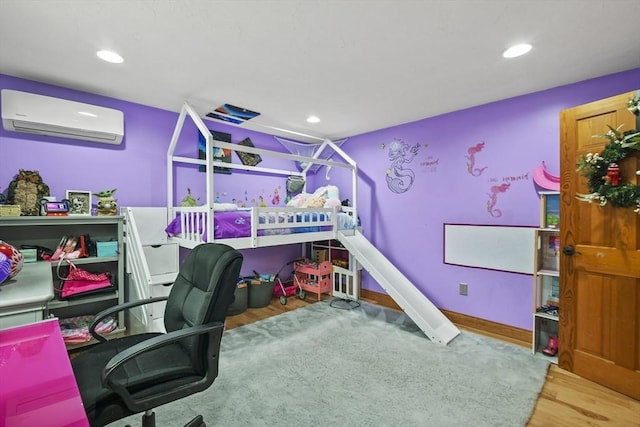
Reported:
(601, 170)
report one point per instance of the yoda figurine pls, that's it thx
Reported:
(107, 205)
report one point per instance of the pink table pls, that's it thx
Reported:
(37, 386)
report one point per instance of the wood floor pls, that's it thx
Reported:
(566, 400)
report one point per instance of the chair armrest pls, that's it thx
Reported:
(214, 330)
(116, 309)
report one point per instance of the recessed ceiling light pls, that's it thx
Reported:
(313, 119)
(109, 56)
(517, 50)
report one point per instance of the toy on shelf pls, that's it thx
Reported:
(107, 205)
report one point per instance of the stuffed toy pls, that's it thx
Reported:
(324, 197)
(298, 200)
(333, 203)
(314, 202)
(331, 195)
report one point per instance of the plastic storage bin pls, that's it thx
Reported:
(260, 292)
(241, 300)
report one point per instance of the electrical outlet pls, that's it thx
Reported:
(463, 289)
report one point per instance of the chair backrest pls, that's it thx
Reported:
(204, 288)
(201, 294)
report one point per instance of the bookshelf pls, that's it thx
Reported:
(546, 278)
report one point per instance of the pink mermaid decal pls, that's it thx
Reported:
(493, 199)
(471, 156)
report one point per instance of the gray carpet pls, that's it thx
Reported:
(322, 366)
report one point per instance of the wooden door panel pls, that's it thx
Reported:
(603, 372)
(589, 313)
(599, 325)
(606, 260)
(625, 298)
(590, 126)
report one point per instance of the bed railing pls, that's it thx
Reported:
(269, 226)
(193, 223)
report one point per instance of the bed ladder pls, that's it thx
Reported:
(414, 303)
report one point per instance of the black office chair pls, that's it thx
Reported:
(137, 373)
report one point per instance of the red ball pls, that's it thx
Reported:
(14, 256)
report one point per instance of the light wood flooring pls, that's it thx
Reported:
(565, 400)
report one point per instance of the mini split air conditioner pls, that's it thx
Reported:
(31, 113)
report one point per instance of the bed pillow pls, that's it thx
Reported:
(223, 207)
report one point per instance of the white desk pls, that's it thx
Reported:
(23, 299)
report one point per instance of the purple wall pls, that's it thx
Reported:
(518, 134)
(453, 179)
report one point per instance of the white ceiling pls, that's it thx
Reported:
(358, 65)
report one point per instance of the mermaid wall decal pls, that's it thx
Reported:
(493, 198)
(399, 178)
(471, 156)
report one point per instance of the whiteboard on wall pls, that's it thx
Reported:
(494, 247)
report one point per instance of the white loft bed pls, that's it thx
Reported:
(303, 224)
(197, 226)
(269, 226)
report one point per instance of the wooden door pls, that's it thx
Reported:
(599, 329)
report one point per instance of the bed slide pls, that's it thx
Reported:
(422, 311)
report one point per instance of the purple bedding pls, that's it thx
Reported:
(226, 225)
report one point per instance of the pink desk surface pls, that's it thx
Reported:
(37, 386)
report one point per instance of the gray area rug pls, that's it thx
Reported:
(323, 366)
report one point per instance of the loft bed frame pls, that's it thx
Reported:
(345, 281)
(194, 219)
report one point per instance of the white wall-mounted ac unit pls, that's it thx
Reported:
(31, 113)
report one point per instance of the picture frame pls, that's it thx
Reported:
(79, 202)
(219, 154)
(248, 159)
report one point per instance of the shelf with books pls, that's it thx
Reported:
(549, 250)
(546, 278)
(550, 209)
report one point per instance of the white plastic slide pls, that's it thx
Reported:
(422, 311)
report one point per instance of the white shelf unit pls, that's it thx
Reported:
(47, 232)
(546, 277)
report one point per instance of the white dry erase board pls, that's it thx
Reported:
(503, 248)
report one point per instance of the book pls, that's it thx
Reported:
(551, 252)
